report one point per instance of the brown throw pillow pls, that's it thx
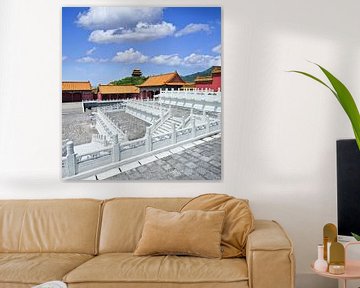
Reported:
(239, 221)
(196, 233)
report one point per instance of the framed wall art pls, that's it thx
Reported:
(141, 93)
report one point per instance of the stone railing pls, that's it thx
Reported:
(74, 164)
(146, 110)
(101, 139)
(107, 127)
(203, 99)
(114, 107)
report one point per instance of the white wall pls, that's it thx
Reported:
(279, 128)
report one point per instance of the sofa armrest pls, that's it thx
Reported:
(269, 256)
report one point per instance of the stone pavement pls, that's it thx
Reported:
(200, 160)
(76, 125)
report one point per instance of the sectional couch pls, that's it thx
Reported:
(90, 243)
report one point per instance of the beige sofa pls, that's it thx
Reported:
(89, 243)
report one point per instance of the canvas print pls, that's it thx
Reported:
(141, 93)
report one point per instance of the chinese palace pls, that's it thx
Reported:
(77, 91)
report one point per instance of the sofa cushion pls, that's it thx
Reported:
(63, 226)
(126, 268)
(36, 268)
(238, 223)
(193, 232)
(123, 220)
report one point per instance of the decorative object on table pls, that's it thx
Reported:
(337, 258)
(52, 284)
(329, 236)
(350, 270)
(320, 264)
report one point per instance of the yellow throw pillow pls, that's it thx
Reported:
(239, 220)
(193, 232)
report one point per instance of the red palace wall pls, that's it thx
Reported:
(215, 84)
(87, 96)
(76, 96)
(116, 96)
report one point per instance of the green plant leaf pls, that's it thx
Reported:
(346, 100)
(344, 97)
(356, 236)
(316, 79)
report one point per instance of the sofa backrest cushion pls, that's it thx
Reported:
(123, 220)
(66, 226)
(238, 224)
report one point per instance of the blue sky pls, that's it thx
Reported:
(102, 44)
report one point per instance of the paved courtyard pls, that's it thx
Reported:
(197, 162)
(76, 125)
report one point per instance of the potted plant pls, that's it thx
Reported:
(343, 95)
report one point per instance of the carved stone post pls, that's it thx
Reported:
(183, 122)
(173, 136)
(204, 114)
(70, 162)
(148, 140)
(115, 148)
(207, 125)
(193, 128)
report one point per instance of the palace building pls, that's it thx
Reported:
(136, 73)
(113, 92)
(154, 84)
(210, 82)
(76, 91)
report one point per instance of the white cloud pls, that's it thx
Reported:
(199, 60)
(192, 28)
(105, 18)
(88, 59)
(64, 58)
(171, 60)
(141, 32)
(217, 49)
(130, 56)
(202, 60)
(90, 51)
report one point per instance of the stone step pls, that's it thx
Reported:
(172, 120)
(163, 130)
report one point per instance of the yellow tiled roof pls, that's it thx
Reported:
(160, 80)
(175, 83)
(118, 89)
(76, 86)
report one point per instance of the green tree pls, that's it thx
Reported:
(129, 81)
